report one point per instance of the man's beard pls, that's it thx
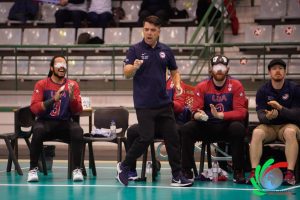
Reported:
(219, 77)
(277, 78)
(58, 76)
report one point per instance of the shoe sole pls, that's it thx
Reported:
(181, 185)
(78, 179)
(133, 178)
(118, 172)
(33, 180)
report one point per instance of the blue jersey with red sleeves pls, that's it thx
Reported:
(229, 99)
(61, 110)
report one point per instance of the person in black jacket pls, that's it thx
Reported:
(74, 11)
(159, 8)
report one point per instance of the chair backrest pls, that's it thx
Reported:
(39, 65)
(62, 36)
(100, 66)
(272, 9)
(9, 65)
(258, 33)
(293, 9)
(10, 36)
(104, 116)
(75, 65)
(116, 35)
(35, 36)
(200, 38)
(136, 35)
(172, 35)
(4, 10)
(287, 33)
(24, 118)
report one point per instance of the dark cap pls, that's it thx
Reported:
(276, 61)
(219, 59)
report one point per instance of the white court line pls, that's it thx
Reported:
(62, 167)
(140, 186)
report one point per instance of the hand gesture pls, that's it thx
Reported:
(179, 90)
(275, 105)
(200, 116)
(271, 114)
(215, 113)
(137, 63)
(71, 90)
(59, 93)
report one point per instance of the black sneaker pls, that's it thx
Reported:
(122, 174)
(181, 181)
(239, 177)
(189, 175)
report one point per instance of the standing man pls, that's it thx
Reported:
(278, 111)
(219, 112)
(54, 100)
(147, 62)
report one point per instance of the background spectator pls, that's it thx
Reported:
(73, 11)
(159, 8)
(100, 13)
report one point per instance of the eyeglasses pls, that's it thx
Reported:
(219, 59)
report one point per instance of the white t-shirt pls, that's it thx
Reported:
(100, 6)
(71, 6)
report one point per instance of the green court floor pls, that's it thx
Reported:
(56, 186)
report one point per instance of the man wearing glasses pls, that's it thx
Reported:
(219, 111)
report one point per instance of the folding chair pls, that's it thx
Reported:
(102, 119)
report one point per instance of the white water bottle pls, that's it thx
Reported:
(149, 171)
(113, 129)
(215, 169)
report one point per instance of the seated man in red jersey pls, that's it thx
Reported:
(218, 111)
(54, 100)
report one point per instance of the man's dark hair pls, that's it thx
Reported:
(52, 64)
(153, 20)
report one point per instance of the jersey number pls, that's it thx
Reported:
(56, 109)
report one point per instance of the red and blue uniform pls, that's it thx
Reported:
(229, 99)
(61, 110)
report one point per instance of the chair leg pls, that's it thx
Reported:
(154, 166)
(202, 158)
(13, 157)
(82, 160)
(208, 155)
(119, 151)
(9, 160)
(70, 161)
(44, 165)
(92, 159)
(143, 172)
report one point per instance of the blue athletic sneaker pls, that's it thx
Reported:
(132, 175)
(122, 174)
(181, 181)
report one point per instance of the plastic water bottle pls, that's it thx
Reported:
(149, 171)
(215, 169)
(113, 129)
